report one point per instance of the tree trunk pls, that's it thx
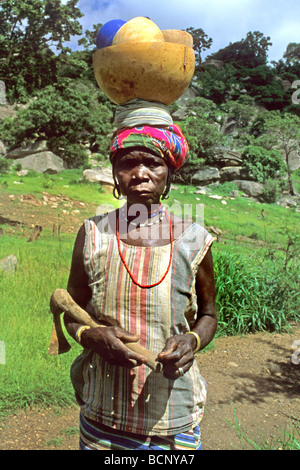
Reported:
(291, 188)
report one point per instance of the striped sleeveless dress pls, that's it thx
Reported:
(140, 400)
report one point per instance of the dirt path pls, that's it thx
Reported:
(254, 374)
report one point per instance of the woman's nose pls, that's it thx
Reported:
(140, 172)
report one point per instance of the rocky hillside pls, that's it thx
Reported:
(226, 130)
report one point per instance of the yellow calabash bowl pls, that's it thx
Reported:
(139, 29)
(178, 36)
(154, 71)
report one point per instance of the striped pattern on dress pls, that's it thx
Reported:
(139, 400)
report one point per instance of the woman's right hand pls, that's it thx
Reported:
(109, 341)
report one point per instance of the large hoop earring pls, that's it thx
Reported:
(166, 194)
(167, 190)
(116, 192)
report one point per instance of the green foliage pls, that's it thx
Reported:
(288, 440)
(262, 164)
(30, 376)
(4, 165)
(217, 84)
(271, 191)
(68, 116)
(249, 52)
(201, 134)
(264, 85)
(292, 53)
(201, 41)
(279, 130)
(27, 30)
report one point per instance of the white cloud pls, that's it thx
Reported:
(224, 20)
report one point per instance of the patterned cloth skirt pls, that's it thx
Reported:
(98, 437)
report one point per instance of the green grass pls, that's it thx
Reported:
(69, 183)
(256, 281)
(59, 440)
(30, 376)
(287, 440)
(255, 298)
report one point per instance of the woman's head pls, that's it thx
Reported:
(141, 175)
(166, 144)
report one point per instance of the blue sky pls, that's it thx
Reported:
(224, 21)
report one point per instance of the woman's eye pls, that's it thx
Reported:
(154, 164)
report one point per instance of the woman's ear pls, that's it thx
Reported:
(167, 190)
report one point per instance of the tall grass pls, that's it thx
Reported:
(30, 376)
(254, 298)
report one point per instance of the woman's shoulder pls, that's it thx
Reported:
(104, 222)
(187, 227)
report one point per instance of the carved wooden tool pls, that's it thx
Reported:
(61, 301)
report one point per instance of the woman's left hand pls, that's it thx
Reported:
(177, 356)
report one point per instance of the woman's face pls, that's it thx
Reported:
(142, 176)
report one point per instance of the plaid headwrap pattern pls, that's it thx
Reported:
(167, 142)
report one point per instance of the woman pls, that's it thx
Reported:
(148, 274)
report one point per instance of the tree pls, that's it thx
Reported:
(217, 84)
(201, 41)
(89, 41)
(281, 131)
(250, 52)
(29, 31)
(258, 45)
(203, 138)
(292, 53)
(72, 116)
(264, 85)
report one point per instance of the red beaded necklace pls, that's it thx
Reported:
(146, 286)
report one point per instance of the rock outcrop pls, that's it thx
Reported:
(42, 162)
(99, 175)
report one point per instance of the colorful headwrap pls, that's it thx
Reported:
(167, 142)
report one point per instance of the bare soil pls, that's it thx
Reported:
(55, 213)
(254, 375)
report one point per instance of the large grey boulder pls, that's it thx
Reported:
(31, 149)
(229, 173)
(294, 160)
(99, 175)
(229, 126)
(183, 104)
(251, 188)
(288, 201)
(206, 176)
(42, 162)
(2, 148)
(227, 157)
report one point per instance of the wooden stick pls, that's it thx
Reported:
(61, 301)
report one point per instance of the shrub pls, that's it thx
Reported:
(202, 136)
(262, 164)
(4, 165)
(271, 191)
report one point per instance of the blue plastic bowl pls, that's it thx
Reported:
(107, 33)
